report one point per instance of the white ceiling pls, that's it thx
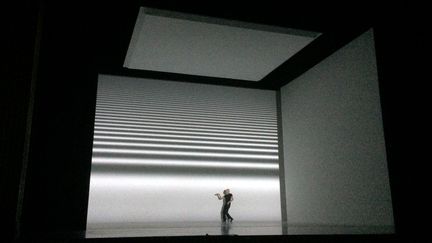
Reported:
(188, 44)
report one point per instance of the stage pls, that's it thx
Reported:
(217, 228)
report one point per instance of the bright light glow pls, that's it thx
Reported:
(185, 112)
(185, 136)
(186, 182)
(119, 199)
(175, 128)
(153, 145)
(168, 163)
(162, 140)
(180, 153)
(183, 132)
(185, 121)
(153, 100)
(188, 118)
(179, 124)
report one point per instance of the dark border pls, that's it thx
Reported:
(73, 221)
(319, 49)
(29, 119)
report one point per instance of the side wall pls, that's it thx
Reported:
(336, 174)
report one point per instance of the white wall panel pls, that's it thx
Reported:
(334, 152)
(162, 149)
(190, 44)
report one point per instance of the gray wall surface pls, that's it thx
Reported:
(336, 175)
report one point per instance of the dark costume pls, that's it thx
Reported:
(225, 207)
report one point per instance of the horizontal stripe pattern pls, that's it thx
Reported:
(171, 124)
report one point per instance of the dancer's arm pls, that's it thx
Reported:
(219, 196)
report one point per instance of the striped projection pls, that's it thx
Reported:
(162, 150)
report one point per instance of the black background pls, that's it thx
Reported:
(78, 40)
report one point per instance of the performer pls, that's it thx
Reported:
(227, 199)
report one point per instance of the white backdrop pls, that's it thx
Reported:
(162, 149)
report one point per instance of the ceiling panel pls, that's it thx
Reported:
(196, 45)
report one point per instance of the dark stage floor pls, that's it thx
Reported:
(217, 228)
